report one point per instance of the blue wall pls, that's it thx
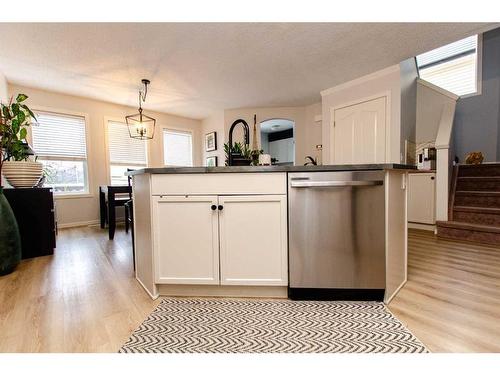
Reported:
(477, 118)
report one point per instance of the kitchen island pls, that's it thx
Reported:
(225, 231)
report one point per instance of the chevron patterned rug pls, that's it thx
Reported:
(227, 325)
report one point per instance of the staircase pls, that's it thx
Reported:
(474, 211)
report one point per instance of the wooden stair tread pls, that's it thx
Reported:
(478, 193)
(479, 178)
(487, 164)
(468, 226)
(485, 210)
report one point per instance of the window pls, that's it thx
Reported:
(59, 141)
(124, 152)
(453, 67)
(177, 148)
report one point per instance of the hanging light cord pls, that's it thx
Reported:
(142, 96)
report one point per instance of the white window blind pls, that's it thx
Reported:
(59, 141)
(177, 148)
(59, 136)
(452, 67)
(123, 149)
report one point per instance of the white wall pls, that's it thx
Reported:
(3, 98)
(86, 209)
(214, 123)
(430, 103)
(386, 81)
(409, 75)
(307, 131)
(3, 88)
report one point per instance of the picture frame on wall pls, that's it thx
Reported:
(211, 141)
(211, 161)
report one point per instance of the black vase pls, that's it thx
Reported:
(10, 240)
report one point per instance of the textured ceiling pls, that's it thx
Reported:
(196, 68)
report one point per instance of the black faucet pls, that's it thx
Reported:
(311, 161)
(246, 129)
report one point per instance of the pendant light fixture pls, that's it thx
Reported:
(141, 126)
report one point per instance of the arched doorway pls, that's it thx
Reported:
(277, 138)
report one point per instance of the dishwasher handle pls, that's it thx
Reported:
(311, 184)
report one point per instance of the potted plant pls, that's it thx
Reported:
(15, 164)
(242, 154)
(10, 240)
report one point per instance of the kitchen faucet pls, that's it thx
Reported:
(246, 129)
(311, 161)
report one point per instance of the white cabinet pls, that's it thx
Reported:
(248, 233)
(253, 240)
(422, 198)
(186, 240)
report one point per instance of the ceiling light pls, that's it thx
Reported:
(141, 126)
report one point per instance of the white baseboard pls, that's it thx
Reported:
(429, 227)
(387, 300)
(85, 223)
(77, 224)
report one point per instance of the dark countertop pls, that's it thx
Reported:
(260, 169)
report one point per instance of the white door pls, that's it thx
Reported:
(422, 198)
(359, 133)
(186, 240)
(253, 240)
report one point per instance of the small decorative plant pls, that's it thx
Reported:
(245, 151)
(15, 118)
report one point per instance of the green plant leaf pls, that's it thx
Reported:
(21, 98)
(24, 106)
(6, 112)
(15, 109)
(21, 117)
(15, 126)
(23, 133)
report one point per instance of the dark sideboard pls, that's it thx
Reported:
(34, 211)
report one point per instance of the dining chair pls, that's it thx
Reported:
(129, 215)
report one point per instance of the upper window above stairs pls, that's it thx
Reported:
(454, 67)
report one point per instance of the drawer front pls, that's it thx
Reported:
(218, 183)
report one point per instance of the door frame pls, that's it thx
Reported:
(383, 94)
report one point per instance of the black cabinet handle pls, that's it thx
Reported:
(220, 207)
(432, 178)
(213, 207)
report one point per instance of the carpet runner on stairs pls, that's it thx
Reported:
(474, 213)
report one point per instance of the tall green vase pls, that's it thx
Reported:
(10, 241)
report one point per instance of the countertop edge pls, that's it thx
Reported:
(271, 169)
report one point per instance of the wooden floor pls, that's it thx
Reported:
(451, 301)
(82, 299)
(85, 299)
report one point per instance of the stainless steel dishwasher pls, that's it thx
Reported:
(336, 235)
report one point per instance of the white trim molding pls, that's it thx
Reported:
(78, 224)
(438, 89)
(361, 80)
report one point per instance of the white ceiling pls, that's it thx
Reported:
(196, 68)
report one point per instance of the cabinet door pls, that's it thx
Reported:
(186, 240)
(422, 198)
(253, 240)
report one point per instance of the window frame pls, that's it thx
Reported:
(178, 130)
(87, 165)
(107, 120)
(479, 68)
